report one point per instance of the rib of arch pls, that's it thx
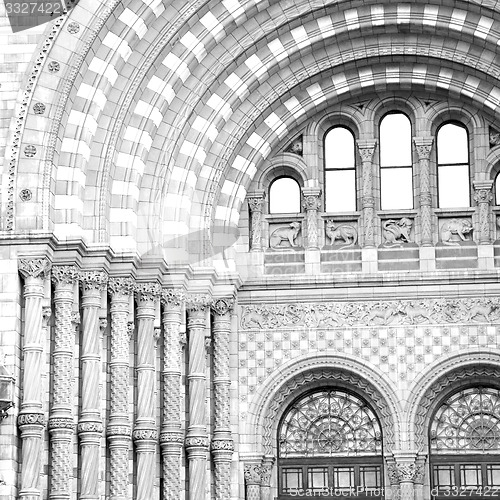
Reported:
(311, 372)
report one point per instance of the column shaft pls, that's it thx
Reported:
(145, 434)
(118, 430)
(483, 197)
(171, 436)
(424, 146)
(31, 419)
(61, 424)
(255, 204)
(312, 203)
(366, 150)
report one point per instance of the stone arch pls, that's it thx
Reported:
(310, 372)
(282, 164)
(441, 379)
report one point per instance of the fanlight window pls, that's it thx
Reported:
(468, 422)
(453, 166)
(329, 423)
(284, 196)
(396, 172)
(340, 170)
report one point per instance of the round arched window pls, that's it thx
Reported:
(329, 444)
(465, 444)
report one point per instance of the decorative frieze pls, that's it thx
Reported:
(373, 313)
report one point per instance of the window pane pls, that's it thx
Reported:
(343, 477)
(452, 144)
(317, 478)
(497, 189)
(291, 479)
(453, 186)
(470, 476)
(340, 190)
(396, 188)
(395, 141)
(339, 148)
(444, 476)
(369, 477)
(284, 196)
(493, 475)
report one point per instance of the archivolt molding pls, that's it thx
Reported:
(442, 378)
(308, 372)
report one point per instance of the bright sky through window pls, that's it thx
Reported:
(284, 196)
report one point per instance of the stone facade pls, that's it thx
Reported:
(159, 319)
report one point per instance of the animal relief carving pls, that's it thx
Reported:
(345, 232)
(284, 237)
(396, 233)
(455, 227)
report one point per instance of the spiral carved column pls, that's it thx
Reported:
(366, 150)
(255, 204)
(312, 203)
(31, 419)
(424, 146)
(118, 430)
(145, 434)
(222, 443)
(483, 197)
(61, 424)
(90, 424)
(171, 436)
(196, 438)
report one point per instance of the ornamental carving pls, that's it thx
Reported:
(145, 435)
(94, 280)
(296, 146)
(222, 445)
(198, 302)
(366, 154)
(118, 430)
(494, 137)
(148, 291)
(31, 419)
(39, 108)
(66, 275)
(171, 437)
(122, 286)
(345, 233)
(424, 151)
(103, 324)
(255, 203)
(483, 196)
(73, 28)
(391, 312)
(61, 423)
(54, 67)
(25, 195)
(197, 442)
(252, 473)
(312, 202)
(285, 236)
(173, 297)
(454, 231)
(30, 151)
(222, 306)
(407, 472)
(94, 427)
(396, 233)
(34, 268)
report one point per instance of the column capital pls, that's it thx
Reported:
(424, 146)
(366, 149)
(312, 200)
(121, 286)
(198, 302)
(93, 280)
(147, 292)
(253, 474)
(65, 275)
(173, 297)
(222, 305)
(34, 268)
(256, 200)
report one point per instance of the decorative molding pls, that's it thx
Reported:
(222, 306)
(196, 442)
(171, 437)
(94, 427)
(373, 313)
(145, 435)
(34, 268)
(118, 430)
(61, 423)
(222, 444)
(255, 203)
(31, 419)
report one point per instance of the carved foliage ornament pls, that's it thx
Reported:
(122, 286)
(198, 302)
(252, 473)
(312, 202)
(173, 297)
(65, 274)
(94, 280)
(366, 154)
(222, 445)
(148, 291)
(34, 268)
(31, 419)
(483, 196)
(222, 306)
(391, 312)
(255, 203)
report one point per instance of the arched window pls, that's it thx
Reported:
(396, 173)
(329, 440)
(465, 444)
(340, 170)
(453, 166)
(497, 189)
(284, 196)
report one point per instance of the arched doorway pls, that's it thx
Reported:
(464, 444)
(329, 445)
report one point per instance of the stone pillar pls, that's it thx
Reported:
(171, 436)
(90, 427)
(392, 472)
(407, 471)
(196, 438)
(265, 477)
(145, 434)
(312, 203)
(61, 424)
(222, 443)
(483, 197)
(31, 419)
(256, 205)
(253, 480)
(118, 429)
(419, 479)
(366, 150)
(424, 147)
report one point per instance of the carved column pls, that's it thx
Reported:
(407, 471)
(171, 436)
(145, 433)
(256, 205)
(61, 425)
(483, 197)
(31, 419)
(196, 438)
(118, 430)
(424, 147)
(90, 426)
(253, 479)
(392, 472)
(222, 443)
(419, 479)
(366, 150)
(312, 203)
(265, 476)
